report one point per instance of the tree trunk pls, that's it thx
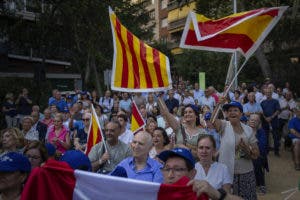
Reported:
(87, 70)
(263, 62)
(97, 81)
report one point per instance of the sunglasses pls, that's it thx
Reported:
(85, 119)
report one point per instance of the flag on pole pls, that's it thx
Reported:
(137, 121)
(56, 180)
(95, 134)
(137, 67)
(243, 32)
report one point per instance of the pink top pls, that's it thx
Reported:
(61, 136)
(48, 122)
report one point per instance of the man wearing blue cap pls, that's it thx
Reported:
(180, 163)
(14, 169)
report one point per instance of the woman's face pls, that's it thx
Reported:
(151, 126)
(47, 114)
(8, 140)
(189, 114)
(34, 157)
(26, 125)
(158, 139)
(234, 114)
(58, 122)
(205, 150)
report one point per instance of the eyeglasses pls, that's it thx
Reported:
(57, 121)
(109, 130)
(33, 157)
(174, 170)
(85, 119)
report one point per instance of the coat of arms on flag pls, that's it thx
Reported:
(137, 67)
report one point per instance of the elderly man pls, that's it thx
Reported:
(39, 126)
(252, 107)
(105, 161)
(179, 164)
(140, 166)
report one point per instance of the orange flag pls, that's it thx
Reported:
(137, 121)
(243, 32)
(137, 67)
(95, 134)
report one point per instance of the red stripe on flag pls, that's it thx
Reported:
(143, 54)
(225, 40)
(90, 143)
(156, 61)
(124, 82)
(136, 73)
(136, 115)
(213, 26)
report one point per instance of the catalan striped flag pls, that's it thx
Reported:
(137, 121)
(137, 67)
(95, 134)
(243, 32)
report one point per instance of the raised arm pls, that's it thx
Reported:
(171, 120)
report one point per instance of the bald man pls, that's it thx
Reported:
(140, 166)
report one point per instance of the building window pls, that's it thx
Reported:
(164, 4)
(164, 22)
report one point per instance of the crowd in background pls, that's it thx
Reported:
(230, 151)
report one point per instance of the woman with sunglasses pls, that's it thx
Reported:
(59, 135)
(80, 135)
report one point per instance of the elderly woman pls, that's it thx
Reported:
(47, 118)
(188, 131)
(160, 141)
(10, 111)
(238, 148)
(14, 170)
(11, 140)
(36, 153)
(30, 134)
(59, 136)
(215, 173)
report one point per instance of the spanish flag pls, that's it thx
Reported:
(95, 134)
(243, 32)
(137, 67)
(137, 121)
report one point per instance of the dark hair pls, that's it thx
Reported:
(196, 111)
(164, 134)
(40, 146)
(123, 116)
(153, 117)
(210, 137)
(98, 106)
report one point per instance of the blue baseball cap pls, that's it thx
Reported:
(13, 161)
(77, 160)
(50, 149)
(83, 92)
(180, 152)
(233, 104)
(69, 97)
(207, 116)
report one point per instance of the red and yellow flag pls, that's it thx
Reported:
(243, 32)
(137, 67)
(95, 134)
(137, 121)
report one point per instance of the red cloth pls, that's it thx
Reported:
(54, 180)
(179, 190)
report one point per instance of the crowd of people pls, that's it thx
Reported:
(222, 153)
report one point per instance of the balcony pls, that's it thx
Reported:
(177, 24)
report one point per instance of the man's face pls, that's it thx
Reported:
(11, 180)
(175, 168)
(196, 86)
(140, 145)
(35, 116)
(122, 121)
(112, 132)
(8, 140)
(251, 97)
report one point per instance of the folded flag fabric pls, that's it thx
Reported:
(56, 180)
(137, 121)
(243, 32)
(137, 67)
(95, 134)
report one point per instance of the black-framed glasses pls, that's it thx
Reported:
(176, 170)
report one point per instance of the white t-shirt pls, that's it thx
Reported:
(217, 176)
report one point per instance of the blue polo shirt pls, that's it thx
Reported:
(294, 123)
(270, 106)
(252, 108)
(150, 173)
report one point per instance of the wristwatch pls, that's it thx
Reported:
(223, 193)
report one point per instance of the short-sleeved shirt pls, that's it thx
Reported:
(125, 104)
(294, 123)
(217, 176)
(126, 136)
(270, 106)
(117, 153)
(252, 108)
(151, 172)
